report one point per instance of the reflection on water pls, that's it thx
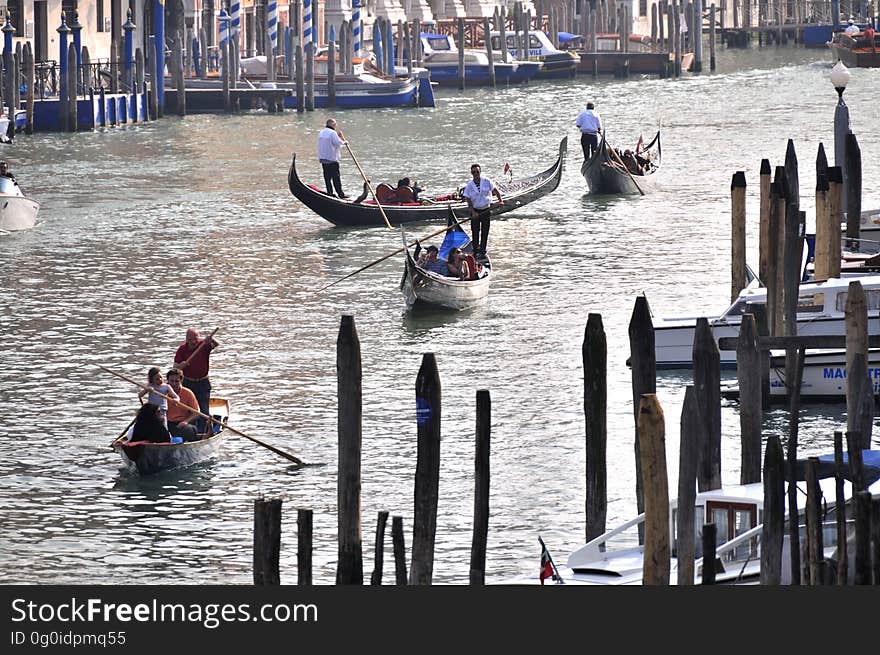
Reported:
(190, 223)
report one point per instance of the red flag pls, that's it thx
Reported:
(506, 167)
(640, 144)
(546, 563)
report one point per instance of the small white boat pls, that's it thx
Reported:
(821, 308)
(557, 64)
(616, 558)
(17, 212)
(424, 287)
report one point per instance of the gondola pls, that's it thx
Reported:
(341, 211)
(606, 175)
(149, 458)
(424, 289)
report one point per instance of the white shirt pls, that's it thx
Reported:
(480, 197)
(588, 121)
(329, 145)
(852, 29)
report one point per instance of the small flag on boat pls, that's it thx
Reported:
(548, 568)
(640, 144)
(507, 170)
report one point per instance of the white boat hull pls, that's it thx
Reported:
(17, 212)
(424, 289)
(824, 376)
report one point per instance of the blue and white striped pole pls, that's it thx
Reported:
(356, 26)
(307, 22)
(235, 13)
(223, 26)
(272, 22)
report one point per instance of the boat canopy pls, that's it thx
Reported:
(826, 468)
(455, 238)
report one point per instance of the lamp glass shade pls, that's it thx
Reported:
(839, 75)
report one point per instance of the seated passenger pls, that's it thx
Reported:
(428, 257)
(631, 163)
(456, 265)
(474, 268)
(406, 191)
(149, 425)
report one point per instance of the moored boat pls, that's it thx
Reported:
(605, 172)
(441, 58)
(617, 557)
(344, 211)
(148, 457)
(17, 211)
(556, 63)
(429, 288)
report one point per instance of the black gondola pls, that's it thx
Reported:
(339, 211)
(606, 174)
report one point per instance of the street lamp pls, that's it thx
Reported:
(839, 78)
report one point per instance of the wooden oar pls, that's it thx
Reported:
(367, 182)
(391, 254)
(619, 161)
(292, 458)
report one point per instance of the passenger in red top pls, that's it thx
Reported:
(193, 357)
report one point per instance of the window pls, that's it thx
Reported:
(872, 300)
(16, 16)
(732, 520)
(643, 7)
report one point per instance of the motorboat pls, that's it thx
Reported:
(441, 57)
(856, 50)
(557, 64)
(820, 311)
(617, 556)
(17, 211)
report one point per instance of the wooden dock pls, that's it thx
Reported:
(208, 101)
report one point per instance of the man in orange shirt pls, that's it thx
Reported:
(182, 415)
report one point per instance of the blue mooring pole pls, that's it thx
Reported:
(129, 52)
(63, 31)
(377, 45)
(8, 31)
(159, 31)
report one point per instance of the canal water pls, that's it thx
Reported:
(148, 230)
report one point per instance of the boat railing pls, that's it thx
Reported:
(595, 548)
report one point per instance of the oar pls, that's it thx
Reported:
(619, 161)
(369, 186)
(292, 458)
(391, 254)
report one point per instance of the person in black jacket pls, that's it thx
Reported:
(149, 426)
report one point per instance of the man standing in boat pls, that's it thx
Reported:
(478, 193)
(330, 142)
(193, 358)
(590, 125)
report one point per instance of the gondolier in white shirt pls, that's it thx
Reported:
(478, 194)
(330, 142)
(590, 125)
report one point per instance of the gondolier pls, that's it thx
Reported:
(590, 125)
(478, 193)
(193, 358)
(330, 142)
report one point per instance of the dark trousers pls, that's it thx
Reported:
(331, 176)
(590, 144)
(185, 430)
(480, 230)
(202, 390)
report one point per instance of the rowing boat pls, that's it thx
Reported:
(605, 172)
(148, 457)
(347, 212)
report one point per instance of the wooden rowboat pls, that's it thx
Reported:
(604, 174)
(149, 458)
(423, 288)
(344, 211)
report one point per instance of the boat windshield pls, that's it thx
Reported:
(9, 187)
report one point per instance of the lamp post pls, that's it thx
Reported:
(839, 78)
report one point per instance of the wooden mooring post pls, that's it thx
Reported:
(748, 373)
(688, 459)
(400, 577)
(839, 499)
(707, 384)
(489, 51)
(643, 364)
(461, 51)
(300, 79)
(595, 360)
(304, 547)
(379, 550)
(712, 37)
(764, 248)
(481, 488)
(856, 320)
(267, 541)
(428, 413)
(853, 194)
(862, 515)
(348, 366)
(310, 76)
(738, 234)
(652, 437)
(710, 540)
(29, 72)
(814, 571)
(773, 528)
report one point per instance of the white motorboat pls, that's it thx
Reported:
(824, 376)
(17, 211)
(820, 311)
(616, 558)
(441, 57)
